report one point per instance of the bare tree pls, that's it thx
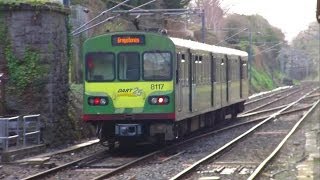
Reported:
(213, 12)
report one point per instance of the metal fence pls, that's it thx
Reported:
(9, 132)
(31, 129)
(18, 132)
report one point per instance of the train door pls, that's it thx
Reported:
(215, 79)
(183, 102)
(194, 73)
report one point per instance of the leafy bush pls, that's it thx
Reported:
(261, 80)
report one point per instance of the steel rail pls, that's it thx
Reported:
(67, 165)
(268, 96)
(64, 166)
(273, 109)
(125, 166)
(229, 144)
(260, 112)
(258, 170)
(264, 105)
(283, 113)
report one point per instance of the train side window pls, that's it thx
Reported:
(218, 74)
(201, 70)
(205, 69)
(223, 70)
(194, 69)
(229, 69)
(233, 70)
(183, 70)
(244, 72)
(214, 70)
(183, 58)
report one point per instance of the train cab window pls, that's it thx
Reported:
(129, 66)
(157, 66)
(100, 67)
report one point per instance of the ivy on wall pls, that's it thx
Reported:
(22, 72)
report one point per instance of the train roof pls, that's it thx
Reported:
(206, 47)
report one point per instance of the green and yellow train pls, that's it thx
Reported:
(148, 87)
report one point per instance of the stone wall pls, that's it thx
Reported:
(42, 30)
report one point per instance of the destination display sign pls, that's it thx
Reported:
(125, 40)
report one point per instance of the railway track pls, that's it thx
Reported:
(102, 169)
(238, 162)
(155, 163)
(282, 99)
(262, 99)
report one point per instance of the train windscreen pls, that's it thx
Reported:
(100, 67)
(157, 66)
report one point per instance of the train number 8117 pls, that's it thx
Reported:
(157, 86)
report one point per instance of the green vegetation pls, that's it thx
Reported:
(31, 2)
(3, 30)
(261, 80)
(263, 45)
(23, 72)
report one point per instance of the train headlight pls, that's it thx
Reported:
(166, 99)
(159, 100)
(98, 101)
(154, 100)
(90, 101)
(103, 101)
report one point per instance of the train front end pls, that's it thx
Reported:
(129, 86)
